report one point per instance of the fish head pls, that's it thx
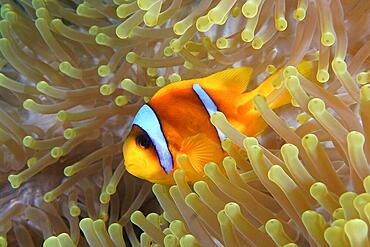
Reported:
(141, 158)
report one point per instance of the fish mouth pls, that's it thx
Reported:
(128, 165)
(132, 167)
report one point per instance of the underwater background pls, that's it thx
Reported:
(74, 73)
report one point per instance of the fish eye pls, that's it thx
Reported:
(143, 141)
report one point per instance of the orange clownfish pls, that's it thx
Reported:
(176, 121)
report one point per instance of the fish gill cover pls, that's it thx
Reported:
(73, 74)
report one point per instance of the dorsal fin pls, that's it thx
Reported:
(231, 79)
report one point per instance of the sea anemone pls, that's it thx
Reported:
(75, 72)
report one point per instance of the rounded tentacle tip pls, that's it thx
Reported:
(65, 240)
(137, 217)
(222, 217)
(31, 161)
(362, 78)
(181, 158)
(62, 116)
(115, 228)
(310, 141)
(316, 106)
(65, 66)
(217, 117)
(365, 93)
(308, 215)
(68, 171)
(229, 161)
(179, 28)
(289, 150)
(222, 43)
(110, 189)
(191, 198)
(339, 66)
(200, 186)
(127, 83)
(281, 24)
(4, 42)
(41, 86)
(318, 189)
(48, 197)
(69, 133)
(74, 211)
(328, 39)
(203, 24)
(121, 100)
(249, 142)
(106, 90)
(292, 82)
(86, 223)
(273, 226)
(94, 30)
(366, 183)
(28, 104)
(132, 57)
(52, 241)
(210, 167)
(188, 240)
(157, 188)
(57, 152)
(249, 9)
(247, 35)
(357, 231)
(257, 43)
(15, 181)
(11, 16)
(104, 70)
(260, 102)
(150, 20)
(274, 173)
(355, 138)
(290, 71)
(104, 198)
(299, 14)
(179, 174)
(322, 76)
(232, 210)
(170, 240)
(28, 141)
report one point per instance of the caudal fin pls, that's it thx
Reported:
(276, 97)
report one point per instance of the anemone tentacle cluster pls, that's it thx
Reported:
(73, 73)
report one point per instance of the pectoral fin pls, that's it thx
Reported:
(201, 150)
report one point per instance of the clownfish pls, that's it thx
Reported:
(176, 120)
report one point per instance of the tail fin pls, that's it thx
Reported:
(275, 97)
